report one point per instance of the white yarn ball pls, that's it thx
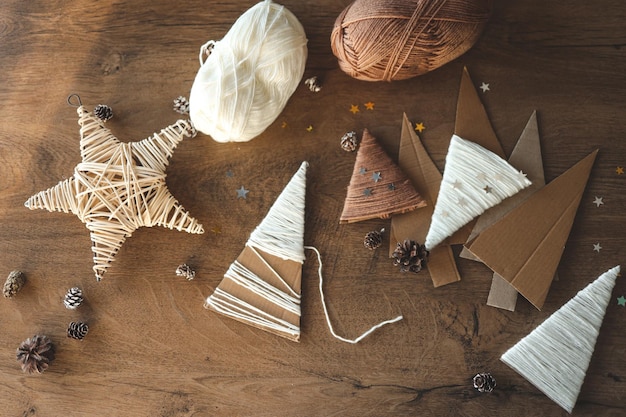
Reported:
(249, 75)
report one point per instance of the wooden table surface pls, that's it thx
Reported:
(154, 350)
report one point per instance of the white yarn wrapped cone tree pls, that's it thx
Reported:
(474, 180)
(555, 356)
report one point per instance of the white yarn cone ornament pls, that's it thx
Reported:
(474, 180)
(262, 287)
(555, 356)
(249, 75)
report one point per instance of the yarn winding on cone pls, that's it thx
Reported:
(474, 180)
(555, 356)
(250, 74)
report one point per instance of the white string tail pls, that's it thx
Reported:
(555, 356)
(474, 180)
(328, 322)
(245, 82)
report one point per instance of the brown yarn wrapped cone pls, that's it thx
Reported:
(378, 40)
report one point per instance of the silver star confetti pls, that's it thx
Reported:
(242, 193)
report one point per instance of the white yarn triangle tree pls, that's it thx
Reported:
(555, 356)
(474, 180)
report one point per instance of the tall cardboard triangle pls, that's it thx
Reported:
(474, 180)
(262, 287)
(525, 246)
(555, 356)
(422, 171)
(378, 187)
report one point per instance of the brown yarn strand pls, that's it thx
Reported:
(377, 40)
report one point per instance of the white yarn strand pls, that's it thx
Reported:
(555, 356)
(328, 322)
(247, 79)
(474, 180)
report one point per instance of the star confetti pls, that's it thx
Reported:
(283, 125)
(217, 230)
(598, 201)
(621, 301)
(362, 171)
(597, 247)
(376, 176)
(391, 187)
(229, 174)
(619, 170)
(369, 105)
(309, 129)
(354, 108)
(367, 192)
(484, 87)
(119, 187)
(487, 189)
(242, 193)
(419, 127)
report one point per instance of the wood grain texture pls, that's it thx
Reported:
(153, 350)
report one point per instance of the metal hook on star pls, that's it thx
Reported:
(73, 97)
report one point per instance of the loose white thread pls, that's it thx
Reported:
(474, 180)
(330, 326)
(249, 75)
(555, 356)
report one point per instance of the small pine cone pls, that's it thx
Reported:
(410, 256)
(35, 354)
(484, 382)
(313, 84)
(77, 330)
(349, 142)
(103, 112)
(185, 270)
(181, 105)
(373, 239)
(15, 281)
(73, 298)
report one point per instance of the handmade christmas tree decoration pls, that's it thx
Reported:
(474, 180)
(249, 75)
(555, 356)
(378, 187)
(119, 187)
(525, 246)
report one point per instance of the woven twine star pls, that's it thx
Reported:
(119, 187)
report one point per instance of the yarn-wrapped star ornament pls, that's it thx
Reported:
(119, 187)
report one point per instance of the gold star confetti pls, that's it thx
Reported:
(369, 105)
(309, 129)
(283, 125)
(419, 127)
(619, 170)
(217, 230)
(354, 108)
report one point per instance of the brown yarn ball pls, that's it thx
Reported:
(386, 40)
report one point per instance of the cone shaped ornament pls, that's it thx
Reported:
(262, 287)
(474, 180)
(378, 187)
(555, 356)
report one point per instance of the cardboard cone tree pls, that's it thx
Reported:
(262, 287)
(378, 187)
(525, 246)
(555, 356)
(474, 180)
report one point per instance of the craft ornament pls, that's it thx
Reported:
(555, 356)
(474, 180)
(250, 74)
(119, 187)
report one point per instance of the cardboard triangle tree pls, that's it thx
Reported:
(525, 246)
(526, 156)
(555, 356)
(262, 287)
(474, 180)
(378, 187)
(420, 168)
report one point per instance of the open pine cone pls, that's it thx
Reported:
(35, 354)
(484, 382)
(410, 256)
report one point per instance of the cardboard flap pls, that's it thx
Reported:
(526, 245)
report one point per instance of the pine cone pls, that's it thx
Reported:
(373, 239)
(410, 256)
(73, 298)
(484, 382)
(349, 142)
(181, 105)
(185, 270)
(35, 354)
(15, 281)
(313, 84)
(103, 112)
(77, 330)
